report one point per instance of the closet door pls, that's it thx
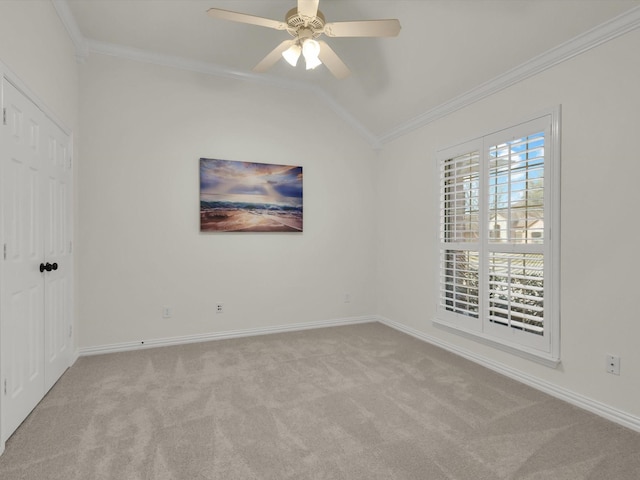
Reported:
(22, 302)
(36, 273)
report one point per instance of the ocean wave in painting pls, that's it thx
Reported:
(224, 216)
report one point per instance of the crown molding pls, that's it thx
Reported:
(69, 22)
(598, 35)
(182, 63)
(145, 56)
(347, 117)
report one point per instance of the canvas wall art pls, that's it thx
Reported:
(240, 196)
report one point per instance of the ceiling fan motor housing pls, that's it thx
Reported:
(298, 23)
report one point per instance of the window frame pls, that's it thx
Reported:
(543, 348)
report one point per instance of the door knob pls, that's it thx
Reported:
(48, 266)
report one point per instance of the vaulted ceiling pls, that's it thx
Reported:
(447, 50)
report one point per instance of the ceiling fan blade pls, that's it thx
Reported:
(244, 18)
(363, 28)
(332, 61)
(272, 57)
(308, 8)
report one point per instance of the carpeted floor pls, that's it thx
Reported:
(356, 402)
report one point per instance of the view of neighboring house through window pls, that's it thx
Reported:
(497, 204)
(516, 198)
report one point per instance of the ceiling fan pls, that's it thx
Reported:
(305, 23)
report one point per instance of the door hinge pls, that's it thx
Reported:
(5, 386)
(70, 331)
(5, 251)
(70, 246)
(4, 115)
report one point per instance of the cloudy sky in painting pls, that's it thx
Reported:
(231, 181)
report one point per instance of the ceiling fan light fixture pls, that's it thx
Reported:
(310, 51)
(305, 23)
(292, 54)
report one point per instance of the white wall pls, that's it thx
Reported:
(600, 100)
(144, 129)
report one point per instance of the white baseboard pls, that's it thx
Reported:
(593, 406)
(206, 337)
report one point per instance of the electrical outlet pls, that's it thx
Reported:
(613, 364)
(167, 312)
(219, 308)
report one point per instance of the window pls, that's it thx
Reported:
(498, 267)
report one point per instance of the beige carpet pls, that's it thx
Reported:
(356, 402)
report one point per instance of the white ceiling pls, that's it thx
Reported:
(446, 48)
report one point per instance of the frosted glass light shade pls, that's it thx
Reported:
(292, 54)
(311, 50)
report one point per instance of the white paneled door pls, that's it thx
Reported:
(35, 280)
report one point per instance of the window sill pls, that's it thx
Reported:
(518, 350)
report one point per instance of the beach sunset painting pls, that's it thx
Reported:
(249, 197)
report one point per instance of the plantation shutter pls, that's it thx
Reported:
(514, 279)
(460, 234)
